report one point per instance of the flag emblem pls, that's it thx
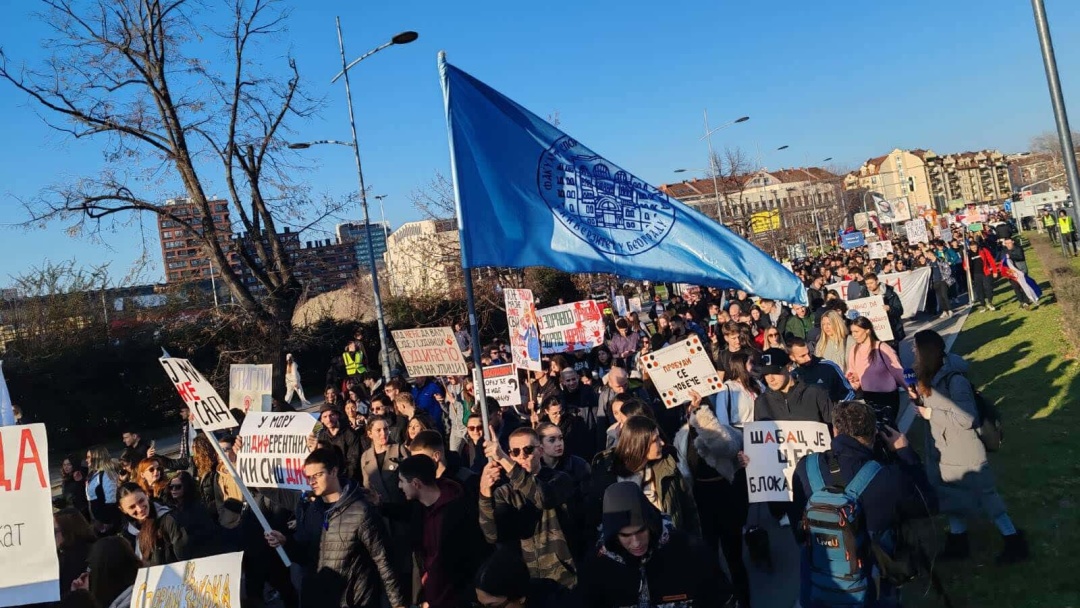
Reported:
(603, 205)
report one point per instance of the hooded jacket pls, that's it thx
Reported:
(447, 546)
(677, 569)
(352, 565)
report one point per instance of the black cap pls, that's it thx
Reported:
(625, 505)
(774, 361)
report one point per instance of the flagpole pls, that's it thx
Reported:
(470, 300)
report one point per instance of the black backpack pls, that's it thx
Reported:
(988, 426)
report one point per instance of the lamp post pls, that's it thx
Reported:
(712, 160)
(402, 38)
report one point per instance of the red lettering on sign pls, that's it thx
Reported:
(27, 442)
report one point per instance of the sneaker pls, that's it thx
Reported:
(991, 307)
(957, 547)
(945, 315)
(1016, 549)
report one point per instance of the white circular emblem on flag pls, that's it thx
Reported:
(612, 210)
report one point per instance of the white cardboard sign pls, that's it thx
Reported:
(879, 249)
(571, 327)
(524, 328)
(774, 448)
(916, 231)
(430, 351)
(209, 409)
(251, 387)
(273, 450)
(501, 384)
(680, 368)
(31, 571)
(873, 308)
(209, 581)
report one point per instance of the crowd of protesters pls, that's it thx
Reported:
(591, 492)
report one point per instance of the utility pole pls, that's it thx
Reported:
(1061, 117)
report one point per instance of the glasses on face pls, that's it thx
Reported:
(175, 486)
(526, 451)
(474, 429)
(315, 477)
(153, 469)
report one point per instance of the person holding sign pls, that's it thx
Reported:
(340, 542)
(896, 492)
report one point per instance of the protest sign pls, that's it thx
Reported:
(251, 387)
(774, 448)
(196, 391)
(873, 308)
(620, 305)
(194, 583)
(851, 240)
(430, 351)
(879, 249)
(273, 449)
(910, 285)
(916, 231)
(569, 327)
(680, 368)
(501, 384)
(661, 291)
(634, 304)
(31, 571)
(524, 328)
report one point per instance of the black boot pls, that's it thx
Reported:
(1016, 549)
(956, 547)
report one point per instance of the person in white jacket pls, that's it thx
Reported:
(292, 381)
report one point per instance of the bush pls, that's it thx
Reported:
(1066, 283)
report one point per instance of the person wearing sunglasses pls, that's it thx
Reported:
(525, 508)
(152, 479)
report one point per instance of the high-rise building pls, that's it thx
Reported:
(182, 252)
(932, 181)
(319, 266)
(355, 234)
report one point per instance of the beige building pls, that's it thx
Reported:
(807, 199)
(929, 180)
(423, 258)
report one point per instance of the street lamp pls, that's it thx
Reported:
(712, 159)
(783, 147)
(402, 38)
(304, 145)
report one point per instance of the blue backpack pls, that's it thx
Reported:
(839, 545)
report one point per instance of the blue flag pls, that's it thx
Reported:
(530, 195)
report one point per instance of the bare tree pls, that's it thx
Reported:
(125, 72)
(734, 170)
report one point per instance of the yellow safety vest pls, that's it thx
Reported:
(1048, 221)
(354, 365)
(1065, 224)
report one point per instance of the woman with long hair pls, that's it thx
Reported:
(639, 456)
(74, 537)
(109, 577)
(126, 465)
(957, 463)
(73, 490)
(192, 515)
(293, 385)
(415, 426)
(156, 535)
(101, 482)
(352, 414)
(205, 460)
(835, 340)
(874, 369)
(150, 475)
(708, 446)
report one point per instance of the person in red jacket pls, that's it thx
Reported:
(983, 270)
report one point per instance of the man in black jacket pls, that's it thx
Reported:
(787, 398)
(341, 437)
(340, 542)
(448, 464)
(894, 308)
(444, 536)
(819, 372)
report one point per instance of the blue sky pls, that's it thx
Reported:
(630, 78)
